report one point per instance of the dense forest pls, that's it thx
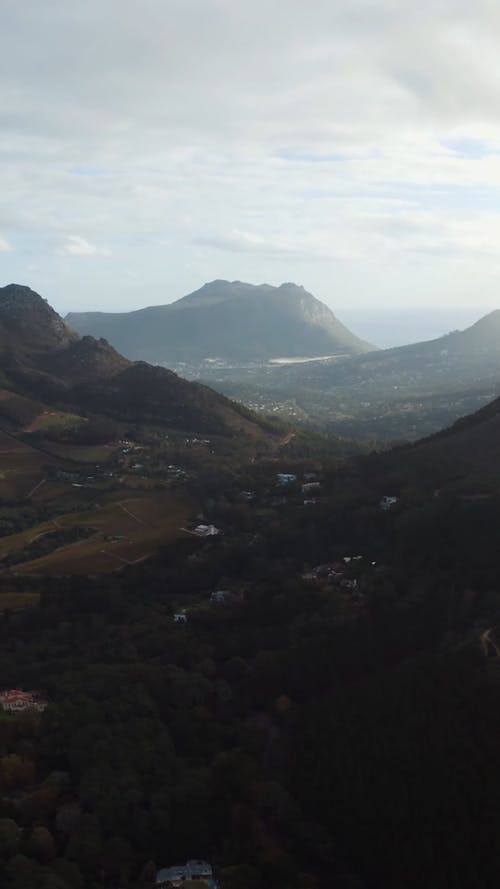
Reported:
(328, 729)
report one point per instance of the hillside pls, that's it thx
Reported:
(29, 323)
(463, 457)
(318, 676)
(101, 457)
(404, 392)
(231, 321)
(41, 358)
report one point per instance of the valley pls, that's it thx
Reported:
(353, 390)
(239, 630)
(249, 445)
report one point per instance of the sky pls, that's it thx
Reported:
(352, 146)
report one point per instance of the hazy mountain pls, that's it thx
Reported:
(404, 392)
(228, 320)
(40, 357)
(460, 354)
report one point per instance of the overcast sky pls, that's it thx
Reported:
(353, 147)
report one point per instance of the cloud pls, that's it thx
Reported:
(74, 245)
(247, 242)
(202, 138)
(5, 247)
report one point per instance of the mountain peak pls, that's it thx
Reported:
(26, 319)
(229, 320)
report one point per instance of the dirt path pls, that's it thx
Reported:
(488, 643)
(131, 514)
(125, 561)
(287, 439)
(33, 490)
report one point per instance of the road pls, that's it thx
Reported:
(488, 643)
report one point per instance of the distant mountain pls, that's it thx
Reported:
(460, 355)
(404, 392)
(232, 321)
(42, 358)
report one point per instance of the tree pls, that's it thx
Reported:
(9, 837)
(85, 845)
(16, 771)
(41, 845)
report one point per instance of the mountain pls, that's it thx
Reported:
(403, 392)
(462, 354)
(232, 321)
(27, 322)
(42, 358)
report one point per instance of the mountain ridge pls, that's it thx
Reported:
(41, 357)
(226, 320)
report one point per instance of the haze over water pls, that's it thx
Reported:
(398, 327)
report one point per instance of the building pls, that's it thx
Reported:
(309, 487)
(388, 502)
(15, 700)
(206, 531)
(219, 596)
(199, 870)
(180, 617)
(196, 870)
(285, 478)
(171, 876)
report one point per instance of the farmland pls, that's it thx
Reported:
(17, 601)
(70, 514)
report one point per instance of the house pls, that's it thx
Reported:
(15, 700)
(206, 531)
(199, 870)
(321, 571)
(387, 502)
(171, 876)
(309, 487)
(349, 584)
(285, 478)
(196, 870)
(219, 596)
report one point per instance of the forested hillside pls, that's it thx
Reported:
(329, 721)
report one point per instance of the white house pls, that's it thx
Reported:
(171, 876)
(388, 502)
(206, 530)
(219, 596)
(195, 869)
(308, 487)
(285, 478)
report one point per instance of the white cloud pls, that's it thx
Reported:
(209, 138)
(5, 247)
(75, 245)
